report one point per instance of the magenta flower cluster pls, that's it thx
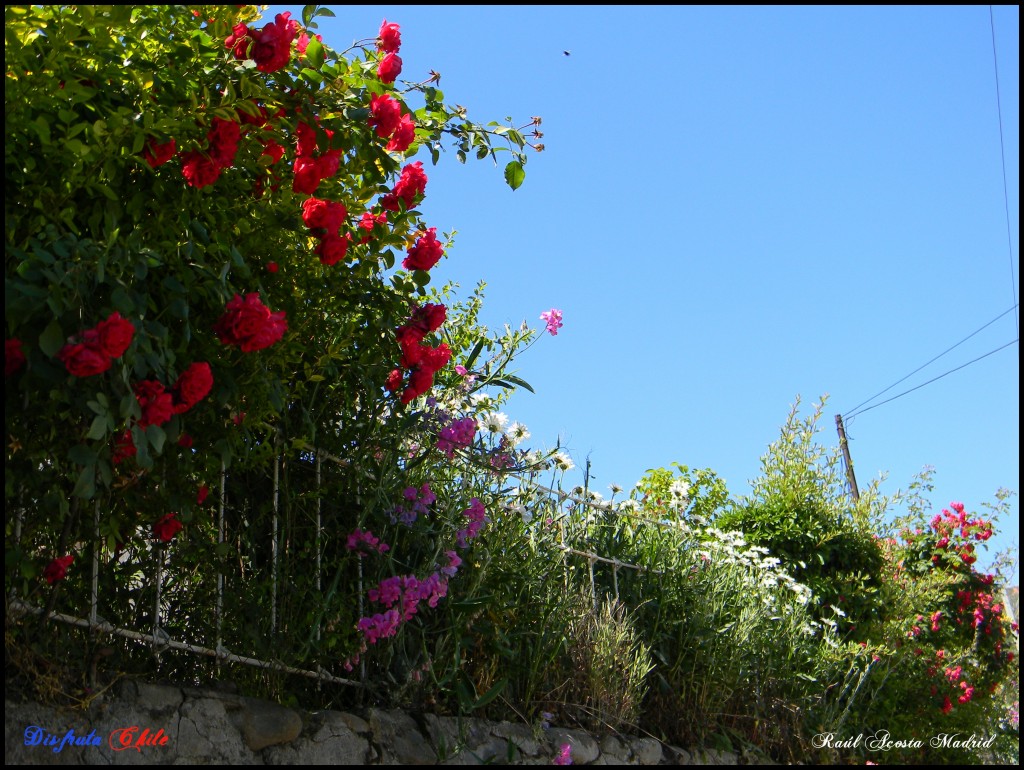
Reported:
(365, 542)
(407, 592)
(456, 435)
(419, 501)
(477, 515)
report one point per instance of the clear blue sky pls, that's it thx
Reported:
(737, 206)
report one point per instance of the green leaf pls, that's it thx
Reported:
(519, 381)
(514, 174)
(156, 436)
(315, 53)
(80, 454)
(52, 339)
(85, 487)
(474, 354)
(491, 694)
(98, 429)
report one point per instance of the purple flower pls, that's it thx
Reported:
(553, 318)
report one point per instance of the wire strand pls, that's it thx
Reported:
(922, 366)
(917, 387)
(1002, 155)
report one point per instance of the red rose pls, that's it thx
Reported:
(14, 359)
(368, 221)
(425, 253)
(271, 46)
(409, 339)
(390, 37)
(411, 184)
(385, 114)
(85, 359)
(420, 381)
(192, 386)
(167, 527)
(58, 569)
(202, 494)
(403, 136)
(272, 267)
(185, 441)
(158, 154)
(156, 403)
(323, 215)
(435, 359)
(124, 448)
(223, 141)
(307, 177)
(390, 68)
(429, 317)
(238, 41)
(332, 248)
(328, 163)
(258, 120)
(115, 335)
(249, 324)
(394, 380)
(273, 150)
(199, 171)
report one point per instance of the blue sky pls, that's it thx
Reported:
(738, 206)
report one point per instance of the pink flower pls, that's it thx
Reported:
(564, 755)
(553, 318)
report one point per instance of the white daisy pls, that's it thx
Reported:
(562, 461)
(517, 433)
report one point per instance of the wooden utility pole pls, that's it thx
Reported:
(845, 447)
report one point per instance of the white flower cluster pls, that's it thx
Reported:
(731, 548)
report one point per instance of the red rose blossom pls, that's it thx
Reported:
(124, 448)
(425, 253)
(273, 150)
(199, 171)
(156, 402)
(323, 215)
(238, 41)
(158, 154)
(390, 37)
(385, 114)
(192, 386)
(115, 335)
(271, 48)
(390, 68)
(14, 359)
(411, 184)
(185, 441)
(223, 141)
(202, 494)
(332, 248)
(272, 267)
(167, 527)
(58, 569)
(394, 380)
(85, 359)
(429, 318)
(403, 136)
(249, 324)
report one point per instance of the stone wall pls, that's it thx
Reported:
(145, 724)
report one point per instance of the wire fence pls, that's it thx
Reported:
(283, 548)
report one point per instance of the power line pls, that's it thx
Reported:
(916, 387)
(1002, 154)
(922, 366)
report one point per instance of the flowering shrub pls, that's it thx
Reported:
(202, 279)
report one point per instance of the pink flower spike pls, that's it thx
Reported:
(553, 318)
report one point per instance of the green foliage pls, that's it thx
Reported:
(798, 509)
